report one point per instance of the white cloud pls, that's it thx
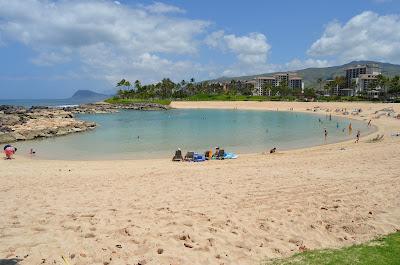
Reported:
(109, 38)
(50, 58)
(297, 64)
(367, 36)
(381, 1)
(250, 50)
(159, 8)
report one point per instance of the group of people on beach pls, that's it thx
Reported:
(192, 156)
(350, 128)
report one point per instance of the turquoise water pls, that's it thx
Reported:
(144, 134)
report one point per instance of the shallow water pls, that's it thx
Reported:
(146, 134)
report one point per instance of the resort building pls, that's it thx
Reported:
(363, 82)
(261, 83)
(358, 78)
(335, 88)
(296, 82)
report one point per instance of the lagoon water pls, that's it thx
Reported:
(157, 134)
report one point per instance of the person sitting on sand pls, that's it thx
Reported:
(9, 151)
(273, 150)
(178, 155)
(216, 154)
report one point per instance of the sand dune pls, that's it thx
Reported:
(220, 212)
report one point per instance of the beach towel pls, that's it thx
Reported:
(230, 156)
(198, 158)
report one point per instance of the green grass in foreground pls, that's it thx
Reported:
(383, 251)
(137, 100)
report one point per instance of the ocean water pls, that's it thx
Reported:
(157, 134)
(43, 102)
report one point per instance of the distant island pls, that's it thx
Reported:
(88, 95)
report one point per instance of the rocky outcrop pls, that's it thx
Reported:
(103, 107)
(18, 123)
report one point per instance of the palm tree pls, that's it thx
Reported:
(319, 80)
(138, 86)
(121, 83)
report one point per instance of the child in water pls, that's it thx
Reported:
(357, 136)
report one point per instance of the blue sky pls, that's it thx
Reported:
(49, 49)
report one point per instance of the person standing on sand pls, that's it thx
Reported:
(357, 136)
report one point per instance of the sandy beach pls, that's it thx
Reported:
(240, 211)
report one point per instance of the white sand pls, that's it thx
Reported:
(220, 212)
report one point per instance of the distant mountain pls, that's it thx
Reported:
(311, 75)
(88, 95)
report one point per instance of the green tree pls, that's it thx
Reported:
(320, 81)
(309, 93)
(138, 86)
(394, 85)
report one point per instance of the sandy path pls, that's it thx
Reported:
(219, 212)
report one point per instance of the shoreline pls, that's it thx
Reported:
(253, 106)
(232, 211)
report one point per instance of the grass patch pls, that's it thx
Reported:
(223, 97)
(115, 100)
(382, 251)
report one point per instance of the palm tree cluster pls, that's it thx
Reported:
(166, 88)
(390, 85)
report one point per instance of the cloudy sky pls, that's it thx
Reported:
(49, 49)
